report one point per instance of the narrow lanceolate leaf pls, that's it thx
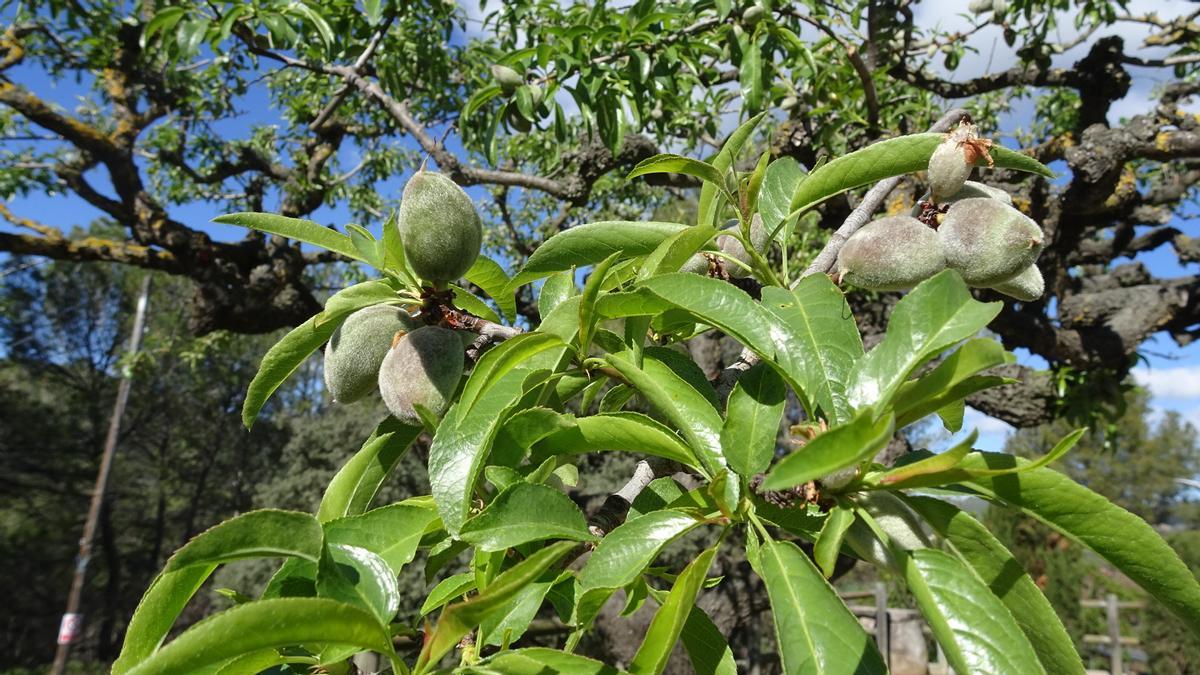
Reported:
(267, 624)
(1117, 535)
(588, 318)
(976, 631)
(834, 450)
(672, 615)
(506, 625)
(630, 548)
(462, 443)
(557, 288)
(589, 244)
(775, 199)
(708, 207)
(936, 314)
(893, 157)
(829, 542)
(355, 484)
(540, 660)
(815, 631)
(719, 304)
(448, 590)
(502, 359)
(294, 228)
(752, 419)
(356, 576)
(685, 406)
(488, 275)
(706, 647)
(392, 532)
(627, 431)
(939, 387)
(668, 163)
(257, 534)
(285, 357)
(939, 463)
(675, 251)
(819, 344)
(967, 538)
(525, 513)
(458, 619)
(168, 594)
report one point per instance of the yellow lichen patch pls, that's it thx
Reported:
(900, 204)
(1162, 141)
(1022, 204)
(1126, 187)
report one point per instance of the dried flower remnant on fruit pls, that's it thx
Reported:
(891, 254)
(357, 349)
(951, 163)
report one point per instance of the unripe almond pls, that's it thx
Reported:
(752, 15)
(891, 254)
(730, 246)
(357, 348)
(969, 190)
(948, 169)
(507, 78)
(1027, 286)
(697, 264)
(439, 227)
(423, 368)
(987, 241)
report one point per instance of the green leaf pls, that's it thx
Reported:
(587, 302)
(893, 157)
(162, 603)
(939, 463)
(458, 619)
(464, 300)
(525, 513)
(499, 361)
(506, 625)
(720, 304)
(294, 228)
(775, 198)
(936, 314)
(447, 590)
(936, 389)
(285, 357)
(750, 76)
(752, 419)
(392, 532)
(685, 406)
(675, 251)
(351, 490)
(591, 243)
(557, 288)
(488, 275)
(976, 631)
(1116, 535)
(266, 624)
(622, 431)
(358, 577)
(669, 163)
(162, 22)
(540, 661)
(820, 344)
(707, 209)
(625, 552)
(318, 22)
(257, 534)
(829, 542)
(836, 449)
(815, 631)
(706, 647)
(669, 620)
(968, 539)
(463, 442)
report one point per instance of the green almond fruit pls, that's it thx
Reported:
(357, 349)
(987, 241)
(507, 78)
(1027, 286)
(948, 170)
(730, 246)
(969, 190)
(439, 227)
(891, 254)
(424, 369)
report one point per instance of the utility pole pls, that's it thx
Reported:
(72, 620)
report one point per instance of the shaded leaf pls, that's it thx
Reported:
(525, 513)
(752, 419)
(258, 534)
(833, 450)
(351, 490)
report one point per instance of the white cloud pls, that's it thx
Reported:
(1182, 382)
(986, 424)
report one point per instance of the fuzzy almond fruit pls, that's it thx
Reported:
(357, 349)
(1027, 286)
(891, 254)
(988, 242)
(423, 368)
(439, 227)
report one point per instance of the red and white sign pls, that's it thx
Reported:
(68, 630)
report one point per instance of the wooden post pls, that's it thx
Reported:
(882, 629)
(1116, 667)
(72, 620)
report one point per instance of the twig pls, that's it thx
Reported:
(344, 90)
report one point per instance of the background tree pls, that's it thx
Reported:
(593, 87)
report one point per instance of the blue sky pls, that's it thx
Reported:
(1172, 374)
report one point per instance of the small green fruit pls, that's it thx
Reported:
(948, 169)
(422, 369)
(1027, 286)
(357, 348)
(439, 227)
(970, 189)
(507, 78)
(988, 241)
(697, 264)
(730, 246)
(891, 254)
(752, 15)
